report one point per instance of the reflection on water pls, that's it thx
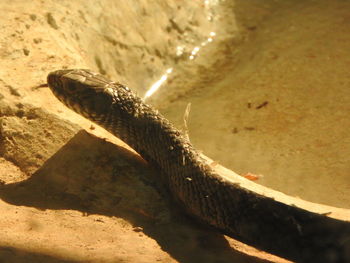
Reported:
(204, 43)
(158, 83)
(179, 52)
(283, 110)
(189, 47)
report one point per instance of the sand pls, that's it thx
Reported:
(71, 192)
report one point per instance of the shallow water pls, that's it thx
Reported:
(282, 111)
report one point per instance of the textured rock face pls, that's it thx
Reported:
(29, 136)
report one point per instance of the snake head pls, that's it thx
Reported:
(84, 91)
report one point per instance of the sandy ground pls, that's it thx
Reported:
(282, 109)
(74, 195)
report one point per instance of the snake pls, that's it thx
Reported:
(191, 180)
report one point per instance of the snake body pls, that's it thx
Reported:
(191, 180)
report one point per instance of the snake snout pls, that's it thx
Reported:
(54, 79)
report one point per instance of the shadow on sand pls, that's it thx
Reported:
(16, 255)
(93, 176)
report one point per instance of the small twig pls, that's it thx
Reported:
(186, 116)
(262, 105)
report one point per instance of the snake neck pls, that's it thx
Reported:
(152, 136)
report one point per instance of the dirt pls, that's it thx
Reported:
(281, 110)
(70, 191)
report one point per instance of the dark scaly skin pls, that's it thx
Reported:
(288, 231)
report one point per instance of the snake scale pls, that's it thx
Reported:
(273, 226)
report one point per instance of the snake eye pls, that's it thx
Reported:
(71, 87)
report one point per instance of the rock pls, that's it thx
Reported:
(30, 135)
